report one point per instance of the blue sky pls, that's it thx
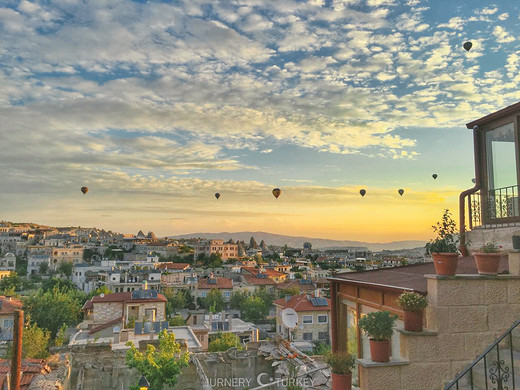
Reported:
(157, 105)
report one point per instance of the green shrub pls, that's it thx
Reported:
(411, 301)
(378, 325)
(490, 247)
(447, 237)
(341, 362)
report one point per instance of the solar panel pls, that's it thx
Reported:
(261, 276)
(305, 281)
(138, 329)
(156, 327)
(212, 281)
(319, 302)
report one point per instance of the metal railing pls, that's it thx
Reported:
(494, 206)
(494, 369)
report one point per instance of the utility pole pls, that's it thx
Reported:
(16, 360)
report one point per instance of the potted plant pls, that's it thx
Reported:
(413, 305)
(341, 366)
(488, 259)
(444, 248)
(379, 327)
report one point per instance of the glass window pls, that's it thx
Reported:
(307, 319)
(322, 318)
(501, 157)
(323, 335)
(307, 336)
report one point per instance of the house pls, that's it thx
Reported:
(277, 277)
(8, 262)
(30, 369)
(303, 285)
(258, 281)
(34, 263)
(130, 280)
(111, 309)
(313, 317)
(7, 307)
(205, 285)
(227, 250)
(70, 254)
(491, 207)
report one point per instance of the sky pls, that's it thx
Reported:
(157, 105)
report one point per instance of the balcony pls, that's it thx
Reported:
(494, 207)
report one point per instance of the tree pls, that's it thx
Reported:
(161, 365)
(43, 268)
(175, 303)
(266, 296)
(61, 337)
(35, 343)
(224, 341)
(11, 282)
(254, 309)
(51, 309)
(214, 301)
(214, 260)
(66, 268)
(88, 254)
(298, 275)
(294, 290)
(177, 321)
(237, 299)
(98, 291)
(21, 266)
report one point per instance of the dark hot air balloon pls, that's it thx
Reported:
(473, 180)
(401, 191)
(277, 192)
(434, 176)
(363, 192)
(467, 45)
(84, 190)
(217, 195)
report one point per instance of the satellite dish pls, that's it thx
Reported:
(289, 318)
(102, 295)
(116, 329)
(301, 327)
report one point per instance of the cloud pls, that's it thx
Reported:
(502, 35)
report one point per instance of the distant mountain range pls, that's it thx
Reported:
(297, 242)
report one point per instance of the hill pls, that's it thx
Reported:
(297, 242)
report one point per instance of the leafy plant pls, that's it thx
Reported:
(161, 365)
(340, 362)
(447, 237)
(490, 247)
(411, 301)
(378, 325)
(224, 341)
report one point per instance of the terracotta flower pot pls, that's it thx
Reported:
(341, 381)
(445, 263)
(413, 321)
(380, 350)
(487, 263)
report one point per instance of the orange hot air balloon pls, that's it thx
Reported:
(84, 190)
(277, 192)
(363, 192)
(401, 192)
(217, 195)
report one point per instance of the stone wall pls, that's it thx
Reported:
(104, 312)
(466, 313)
(501, 235)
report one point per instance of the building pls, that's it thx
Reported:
(72, 254)
(277, 277)
(205, 285)
(313, 317)
(227, 250)
(491, 207)
(8, 262)
(7, 307)
(130, 280)
(139, 306)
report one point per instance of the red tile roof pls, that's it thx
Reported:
(253, 279)
(30, 369)
(301, 303)
(269, 272)
(296, 283)
(222, 283)
(410, 276)
(9, 305)
(120, 297)
(172, 266)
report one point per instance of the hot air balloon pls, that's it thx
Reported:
(467, 45)
(217, 195)
(363, 192)
(84, 190)
(277, 192)
(401, 191)
(434, 176)
(473, 180)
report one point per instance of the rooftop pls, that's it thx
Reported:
(409, 277)
(304, 302)
(122, 297)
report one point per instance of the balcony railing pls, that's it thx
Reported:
(495, 368)
(494, 206)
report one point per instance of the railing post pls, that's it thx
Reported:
(16, 360)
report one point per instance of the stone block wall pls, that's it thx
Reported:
(466, 314)
(104, 312)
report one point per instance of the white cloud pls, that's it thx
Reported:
(502, 35)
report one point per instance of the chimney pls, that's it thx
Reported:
(317, 293)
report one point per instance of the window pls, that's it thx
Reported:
(323, 335)
(227, 294)
(8, 323)
(203, 294)
(307, 319)
(322, 319)
(307, 336)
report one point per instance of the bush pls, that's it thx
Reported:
(177, 321)
(341, 362)
(411, 301)
(224, 341)
(378, 325)
(490, 247)
(447, 237)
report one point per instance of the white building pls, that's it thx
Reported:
(8, 262)
(34, 263)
